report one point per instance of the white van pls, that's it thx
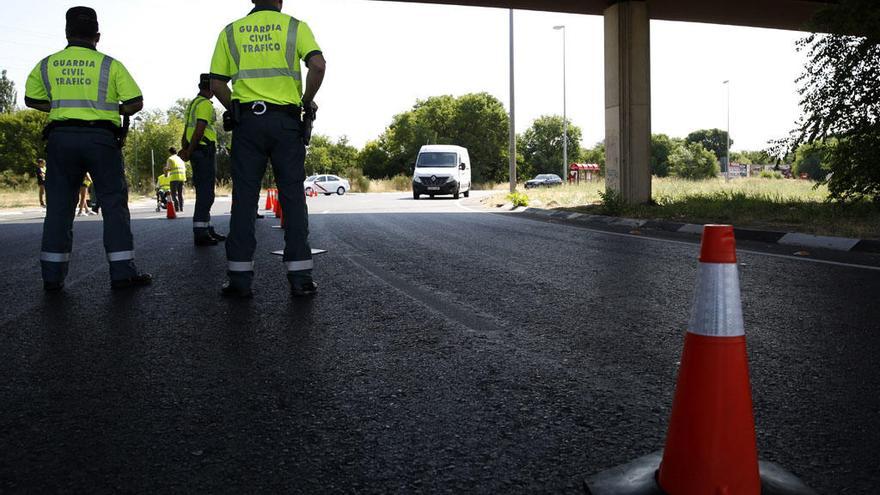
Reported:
(442, 169)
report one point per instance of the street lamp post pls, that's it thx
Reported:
(564, 110)
(512, 144)
(727, 163)
(137, 120)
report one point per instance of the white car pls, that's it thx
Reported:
(326, 184)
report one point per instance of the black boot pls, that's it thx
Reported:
(139, 280)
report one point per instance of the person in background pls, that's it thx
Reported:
(41, 180)
(163, 186)
(178, 178)
(84, 209)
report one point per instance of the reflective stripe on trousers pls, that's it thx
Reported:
(299, 266)
(241, 266)
(55, 257)
(120, 256)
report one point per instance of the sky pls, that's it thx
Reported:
(383, 56)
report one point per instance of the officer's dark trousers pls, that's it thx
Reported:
(71, 152)
(177, 194)
(204, 168)
(256, 139)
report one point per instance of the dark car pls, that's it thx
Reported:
(544, 180)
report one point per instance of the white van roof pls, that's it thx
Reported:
(441, 147)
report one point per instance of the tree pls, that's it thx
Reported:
(693, 161)
(661, 147)
(596, 155)
(373, 160)
(21, 140)
(812, 159)
(714, 140)
(840, 96)
(476, 121)
(152, 138)
(8, 95)
(542, 145)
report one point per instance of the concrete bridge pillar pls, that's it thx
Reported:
(628, 100)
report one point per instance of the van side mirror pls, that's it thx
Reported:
(462, 166)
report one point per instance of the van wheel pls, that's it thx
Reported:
(416, 195)
(455, 196)
(467, 193)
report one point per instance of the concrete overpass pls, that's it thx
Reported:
(628, 59)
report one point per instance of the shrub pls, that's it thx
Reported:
(766, 174)
(692, 161)
(518, 199)
(612, 202)
(12, 180)
(401, 182)
(359, 183)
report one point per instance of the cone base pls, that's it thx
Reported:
(639, 478)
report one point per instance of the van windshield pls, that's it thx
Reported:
(437, 159)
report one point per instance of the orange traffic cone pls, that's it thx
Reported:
(170, 213)
(268, 200)
(710, 444)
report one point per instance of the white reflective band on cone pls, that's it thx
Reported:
(55, 257)
(717, 309)
(298, 266)
(241, 266)
(201, 225)
(120, 256)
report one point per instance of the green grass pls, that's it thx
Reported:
(772, 204)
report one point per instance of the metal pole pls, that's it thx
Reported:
(727, 164)
(512, 144)
(564, 113)
(153, 165)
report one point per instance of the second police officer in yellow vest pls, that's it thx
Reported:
(84, 92)
(200, 147)
(178, 178)
(260, 54)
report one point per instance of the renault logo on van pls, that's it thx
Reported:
(433, 178)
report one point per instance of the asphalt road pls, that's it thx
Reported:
(449, 350)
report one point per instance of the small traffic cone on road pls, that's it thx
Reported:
(710, 444)
(170, 213)
(268, 200)
(314, 193)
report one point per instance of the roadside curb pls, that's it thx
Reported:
(845, 244)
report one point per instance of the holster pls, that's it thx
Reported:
(232, 117)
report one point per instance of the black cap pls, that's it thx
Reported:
(82, 22)
(204, 81)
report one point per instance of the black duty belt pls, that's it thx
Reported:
(261, 107)
(87, 124)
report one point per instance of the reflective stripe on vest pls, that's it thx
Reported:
(103, 87)
(288, 71)
(44, 72)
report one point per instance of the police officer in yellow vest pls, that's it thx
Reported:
(84, 92)
(200, 148)
(163, 187)
(178, 178)
(261, 55)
